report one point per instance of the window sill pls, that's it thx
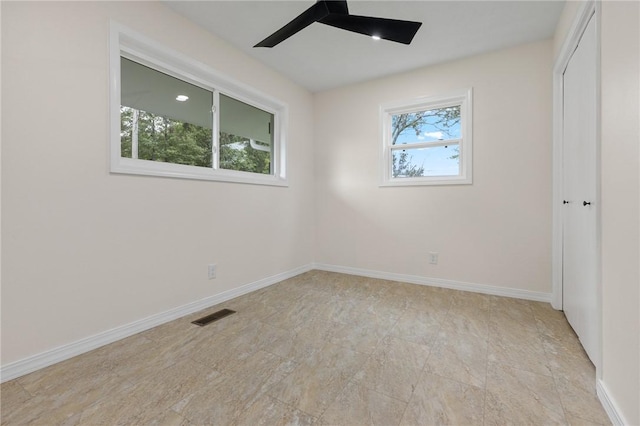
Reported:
(150, 168)
(435, 181)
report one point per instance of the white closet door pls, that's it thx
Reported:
(579, 186)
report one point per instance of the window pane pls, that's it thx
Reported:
(426, 126)
(419, 162)
(246, 137)
(155, 125)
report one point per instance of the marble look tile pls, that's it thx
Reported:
(509, 302)
(109, 356)
(418, 326)
(577, 421)
(122, 409)
(391, 379)
(63, 375)
(159, 392)
(278, 296)
(157, 356)
(359, 405)
(522, 356)
(295, 315)
(128, 409)
(521, 397)
(363, 288)
(329, 282)
(393, 349)
(507, 311)
(579, 401)
(432, 299)
(558, 329)
(386, 310)
(467, 320)
(334, 282)
(394, 368)
(462, 301)
(342, 310)
(402, 294)
(459, 357)
(268, 411)
(260, 334)
(522, 349)
(12, 396)
(512, 330)
(169, 418)
(567, 345)
(318, 379)
(262, 367)
(567, 359)
(64, 402)
(221, 351)
(441, 401)
(229, 395)
(362, 336)
(315, 328)
(175, 329)
(295, 346)
(543, 310)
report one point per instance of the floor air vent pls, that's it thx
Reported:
(213, 317)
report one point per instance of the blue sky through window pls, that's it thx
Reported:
(438, 160)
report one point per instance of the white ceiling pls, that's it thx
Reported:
(321, 57)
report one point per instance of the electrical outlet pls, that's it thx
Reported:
(212, 271)
(433, 258)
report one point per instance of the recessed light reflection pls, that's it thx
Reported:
(182, 98)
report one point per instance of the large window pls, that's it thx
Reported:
(427, 141)
(172, 116)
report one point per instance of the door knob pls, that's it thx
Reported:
(565, 202)
(584, 203)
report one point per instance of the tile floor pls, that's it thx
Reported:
(328, 349)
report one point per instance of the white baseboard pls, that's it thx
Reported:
(45, 359)
(609, 405)
(439, 282)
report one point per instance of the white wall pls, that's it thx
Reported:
(565, 22)
(620, 196)
(620, 79)
(496, 231)
(85, 251)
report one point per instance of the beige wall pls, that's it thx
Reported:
(495, 232)
(620, 79)
(85, 251)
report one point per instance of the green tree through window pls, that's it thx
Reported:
(163, 139)
(171, 141)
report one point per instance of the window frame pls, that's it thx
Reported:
(464, 99)
(127, 43)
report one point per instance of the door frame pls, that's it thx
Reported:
(587, 10)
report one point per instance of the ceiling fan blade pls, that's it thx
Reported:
(306, 18)
(337, 6)
(388, 29)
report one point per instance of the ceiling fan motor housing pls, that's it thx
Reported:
(336, 14)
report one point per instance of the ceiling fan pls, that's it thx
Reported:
(336, 14)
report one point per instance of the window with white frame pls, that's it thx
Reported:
(172, 116)
(427, 141)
